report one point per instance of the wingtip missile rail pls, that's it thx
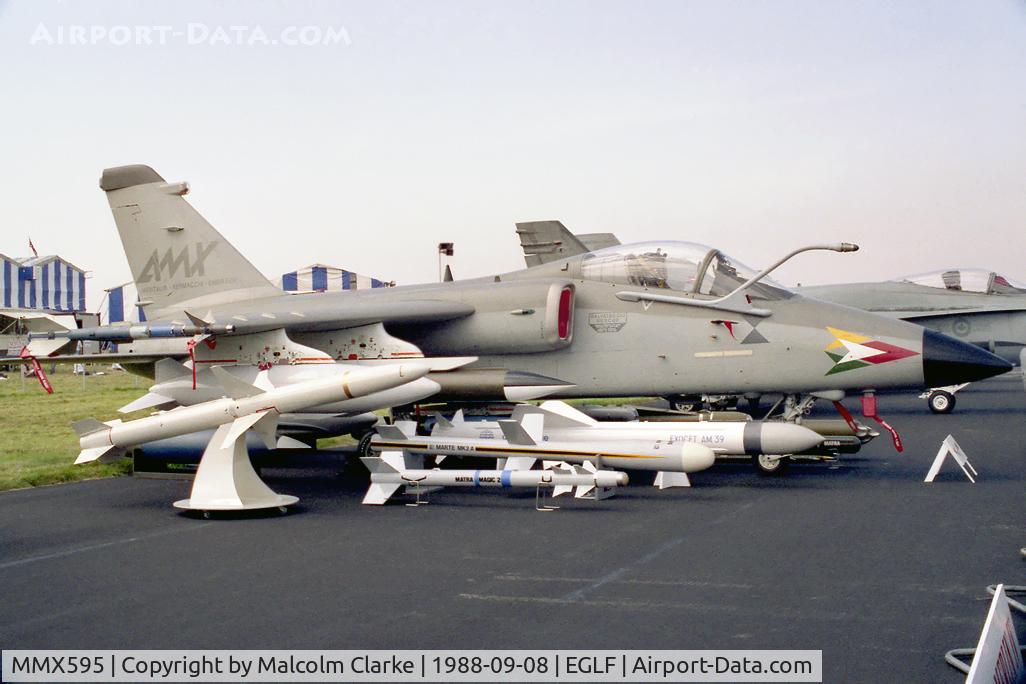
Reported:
(130, 333)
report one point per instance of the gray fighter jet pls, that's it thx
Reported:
(977, 306)
(656, 318)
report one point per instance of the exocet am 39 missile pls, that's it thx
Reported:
(247, 407)
(388, 473)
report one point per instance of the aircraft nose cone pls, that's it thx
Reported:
(946, 361)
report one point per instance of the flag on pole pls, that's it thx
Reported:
(33, 248)
(445, 248)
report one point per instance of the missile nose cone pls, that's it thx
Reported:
(947, 361)
(787, 438)
(621, 479)
(696, 457)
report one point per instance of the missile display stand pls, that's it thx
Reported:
(226, 480)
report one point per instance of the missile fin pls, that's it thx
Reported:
(584, 491)
(515, 433)
(390, 432)
(102, 454)
(40, 348)
(396, 460)
(409, 427)
(266, 428)
(377, 494)
(560, 490)
(148, 400)
(442, 421)
(169, 369)
(376, 464)
(197, 321)
(233, 387)
(457, 418)
(87, 426)
(534, 425)
(263, 423)
(519, 463)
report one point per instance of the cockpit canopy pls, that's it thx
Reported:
(681, 266)
(967, 280)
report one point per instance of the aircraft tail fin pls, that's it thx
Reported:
(545, 241)
(177, 258)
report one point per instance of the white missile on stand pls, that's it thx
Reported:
(247, 408)
(225, 479)
(389, 472)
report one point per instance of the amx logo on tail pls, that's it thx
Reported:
(189, 260)
(850, 351)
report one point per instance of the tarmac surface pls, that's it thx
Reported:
(858, 558)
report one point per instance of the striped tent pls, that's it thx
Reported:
(46, 283)
(320, 278)
(120, 305)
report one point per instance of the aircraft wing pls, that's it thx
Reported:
(305, 313)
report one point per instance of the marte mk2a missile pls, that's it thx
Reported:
(247, 407)
(388, 473)
(526, 439)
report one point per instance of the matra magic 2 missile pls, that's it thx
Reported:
(389, 472)
(247, 407)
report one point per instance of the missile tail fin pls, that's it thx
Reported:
(148, 400)
(560, 490)
(166, 370)
(233, 386)
(515, 433)
(87, 426)
(390, 432)
(102, 454)
(377, 494)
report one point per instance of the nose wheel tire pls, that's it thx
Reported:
(941, 401)
(771, 465)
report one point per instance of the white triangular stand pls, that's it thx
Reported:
(950, 446)
(665, 480)
(226, 481)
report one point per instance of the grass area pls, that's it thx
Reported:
(38, 446)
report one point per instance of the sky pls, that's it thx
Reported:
(755, 127)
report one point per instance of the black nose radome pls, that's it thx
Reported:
(946, 361)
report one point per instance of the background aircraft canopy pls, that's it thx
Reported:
(967, 280)
(681, 266)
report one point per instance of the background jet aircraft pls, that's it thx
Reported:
(977, 306)
(655, 318)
